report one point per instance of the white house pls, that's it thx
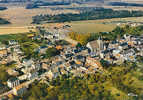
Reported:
(13, 82)
(32, 75)
(13, 42)
(23, 77)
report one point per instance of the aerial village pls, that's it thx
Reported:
(72, 59)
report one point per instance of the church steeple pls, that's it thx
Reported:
(100, 43)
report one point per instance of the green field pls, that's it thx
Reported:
(9, 37)
(90, 27)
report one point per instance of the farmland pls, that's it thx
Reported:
(19, 16)
(93, 26)
(90, 27)
(13, 30)
(21, 19)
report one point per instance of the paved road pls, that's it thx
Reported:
(70, 40)
(5, 94)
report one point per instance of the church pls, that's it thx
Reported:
(95, 47)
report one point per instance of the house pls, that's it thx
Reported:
(27, 62)
(105, 53)
(42, 49)
(12, 72)
(38, 66)
(13, 82)
(23, 77)
(59, 47)
(75, 50)
(68, 56)
(127, 37)
(3, 53)
(50, 75)
(13, 42)
(28, 65)
(32, 75)
(129, 55)
(113, 44)
(48, 36)
(93, 62)
(13, 57)
(45, 66)
(17, 50)
(116, 51)
(3, 61)
(2, 47)
(19, 90)
(95, 46)
(79, 59)
(123, 46)
(28, 69)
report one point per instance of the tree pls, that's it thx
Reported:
(4, 76)
(104, 63)
(51, 52)
(78, 45)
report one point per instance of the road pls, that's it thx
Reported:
(11, 91)
(5, 94)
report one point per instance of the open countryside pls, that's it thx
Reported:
(21, 19)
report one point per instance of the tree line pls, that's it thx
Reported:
(4, 21)
(3, 8)
(125, 4)
(92, 14)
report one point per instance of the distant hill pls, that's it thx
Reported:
(125, 4)
(7, 1)
(58, 2)
(127, 1)
(69, 1)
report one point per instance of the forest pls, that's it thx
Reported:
(3, 21)
(3, 8)
(87, 14)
